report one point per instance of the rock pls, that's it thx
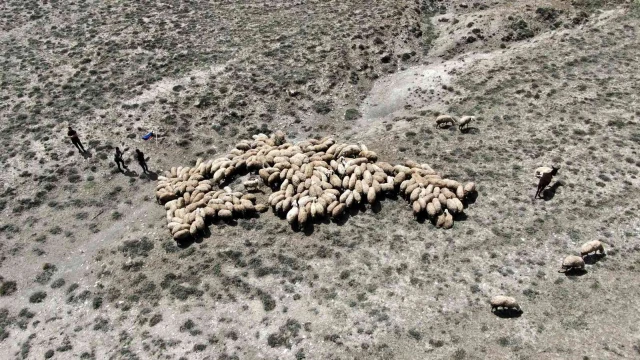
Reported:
(385, 58)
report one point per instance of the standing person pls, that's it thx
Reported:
(75, 139)
(118, 159)
(142, 161)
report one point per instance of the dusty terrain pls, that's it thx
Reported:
(89, 271)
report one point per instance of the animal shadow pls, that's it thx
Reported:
(550, 192)
(308, 228)
(342, 219)
(470, 130)
(575, 272)
(421, 218)
(593, 258)
(471, 198)
(460, 217)
(507, 313)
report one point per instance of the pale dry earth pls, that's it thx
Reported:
(559, 87)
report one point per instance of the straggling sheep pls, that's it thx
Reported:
(504, 302)
(593, 246)
(445, 120)
(572, 262)
(465, 121)
(545, 180)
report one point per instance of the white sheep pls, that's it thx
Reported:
(465, 121)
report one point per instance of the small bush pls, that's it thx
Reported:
(58, 283)
(37, 297)
(8, 288)
(155, 320)
(415, 334)
(351, 114)
(322, 107)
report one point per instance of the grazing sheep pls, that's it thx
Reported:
(591, 246)
(504, 302)
(309, 180)
(545, 180)
(445, 120)
(465, 121)
(572, 262)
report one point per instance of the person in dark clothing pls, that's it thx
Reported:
(142, 161)
(118, 159)
(75, 139)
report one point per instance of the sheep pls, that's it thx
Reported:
(465, 121)
(545, 180)
(445, 119)
(504, 302)
(593, 246)
(572, 262)
(310, 180)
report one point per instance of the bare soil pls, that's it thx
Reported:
(88, 269)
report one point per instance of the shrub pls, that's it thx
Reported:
(58, 283)
(37, 297)
(322, 107)
(8, 288)
(351, 114)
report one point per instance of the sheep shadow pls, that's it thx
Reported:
(575, 272)
(421, 218)
(550, 192)
(470, 198)
(592, 259)
(507, 313)
(376, 207)
(460, 217)
(308, 229)
(186, 243)
(470, 130)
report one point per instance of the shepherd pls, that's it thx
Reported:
(142, 161)
(73, 135)
(118, 159)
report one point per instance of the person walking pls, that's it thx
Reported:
(75, 139)
(142, 161)
(118, 159)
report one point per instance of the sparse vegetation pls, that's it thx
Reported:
(90, 271)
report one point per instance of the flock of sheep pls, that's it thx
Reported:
(312, 179)
(449, 120)
(315, 179)
(570, 263)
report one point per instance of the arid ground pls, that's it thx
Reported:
(88, 269)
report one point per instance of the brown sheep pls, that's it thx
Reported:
(545, 180)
